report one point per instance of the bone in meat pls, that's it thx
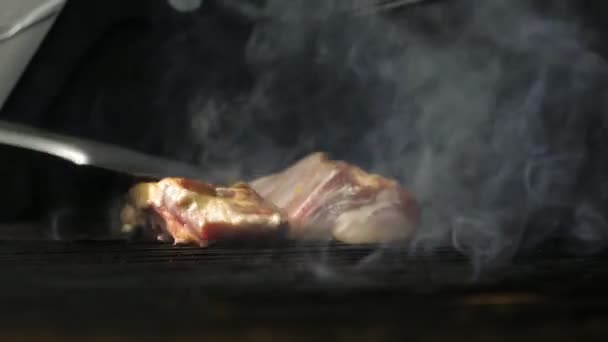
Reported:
(327, 199)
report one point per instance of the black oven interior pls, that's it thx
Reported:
(244, 87)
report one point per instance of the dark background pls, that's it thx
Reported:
(126, 72)
(121, 54)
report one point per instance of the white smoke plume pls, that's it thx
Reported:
(483, 109)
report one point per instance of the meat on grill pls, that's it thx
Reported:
(326, 199)
(188, 211)
(314, 199)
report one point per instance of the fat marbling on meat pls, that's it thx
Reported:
(192, 212)
(326, 199)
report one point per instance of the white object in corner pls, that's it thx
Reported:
(23, 26)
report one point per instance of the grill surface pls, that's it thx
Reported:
(118, 289)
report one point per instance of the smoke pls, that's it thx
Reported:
(483, 109)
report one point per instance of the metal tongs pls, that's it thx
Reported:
(91, 153)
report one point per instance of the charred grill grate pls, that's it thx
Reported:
(337, 266)
(118, 264)
(142, 289)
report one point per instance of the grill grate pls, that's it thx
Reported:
(299, 266)
(149, 289)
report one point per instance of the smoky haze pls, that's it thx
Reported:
(486, 110)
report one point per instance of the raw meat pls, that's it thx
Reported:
(188, 211)
(326, 199)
